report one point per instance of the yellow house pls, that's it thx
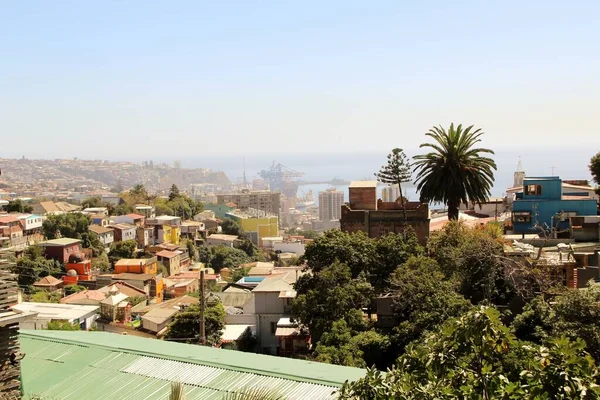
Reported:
(255, 223)
(171, 234)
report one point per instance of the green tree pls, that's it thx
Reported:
(33, 266)
(423, 301)
(573, 314)
(355, 250)
(124, 249)
(138, 193)
(192, 250)
(90, 240)
(70, 225)
(595, 167)
(70, 289)
(465, 359)
(336, 347)
(101, 263)
(186, 324)
(18, 206)
(174, 193)
(330, 295)
(43, 296)
(122, 209)
(376, 258)
(391, 251)
(473, 257)
(231, 227)
(227, 257)
(134, 301)
(62, 326)
(251, 250)
(94, 201)
(454, 171)
(396, 172)
(163, 207)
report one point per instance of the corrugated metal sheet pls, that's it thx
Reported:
(58, 370)
(226, 380)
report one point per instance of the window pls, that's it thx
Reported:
(521, 217)
(533, 190)
(273, 327)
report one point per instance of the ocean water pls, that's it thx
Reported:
(568, 162)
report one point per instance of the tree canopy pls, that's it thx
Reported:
(70, 225)
(124, 249)
(468, 358)
(33, 266)
(328, 296)
(595, 167)
(231, 227)
(186, 324)
(396, 171)
(454, 171)
(18, 206)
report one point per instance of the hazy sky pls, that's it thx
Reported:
(185, 78)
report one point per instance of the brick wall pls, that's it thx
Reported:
(381, 222)
(363, 198)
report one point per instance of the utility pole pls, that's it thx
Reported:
(202, 304)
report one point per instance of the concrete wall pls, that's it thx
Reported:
(240, 319)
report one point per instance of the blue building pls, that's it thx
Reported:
(545, 202)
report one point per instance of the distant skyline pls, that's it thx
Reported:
(178, 80)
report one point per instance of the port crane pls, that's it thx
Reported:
(279, 177)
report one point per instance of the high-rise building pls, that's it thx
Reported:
(330, 205)
(263, 200)
(390, 193)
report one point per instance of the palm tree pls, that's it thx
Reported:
(138, 191)
(454, 172)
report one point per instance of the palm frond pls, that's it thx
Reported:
(454, 171)
(258, 393)
(177, 391)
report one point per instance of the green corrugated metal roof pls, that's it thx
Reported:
(101, 365)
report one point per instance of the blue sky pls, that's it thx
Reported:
(192, 77)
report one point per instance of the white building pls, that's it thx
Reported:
(221, 239)
(330, 205)
(30, 223)
(290, 247)
(84, 316)
(272, 301)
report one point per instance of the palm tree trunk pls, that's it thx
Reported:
(453, 210)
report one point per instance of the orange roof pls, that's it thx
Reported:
(8, 219)
(134, 216)
(48, 281)
(94, 295)
(166, 254)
